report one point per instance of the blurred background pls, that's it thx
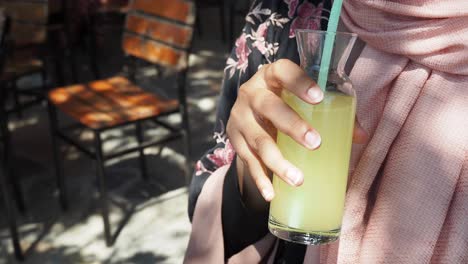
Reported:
(105, 107)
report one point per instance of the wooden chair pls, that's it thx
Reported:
(6, 177)
(33, 36)
(158, 32)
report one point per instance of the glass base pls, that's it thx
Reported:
(300, 236)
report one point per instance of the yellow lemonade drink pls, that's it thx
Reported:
(314, 210)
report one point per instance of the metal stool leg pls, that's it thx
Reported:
(10, 215)
(102, 187)
(187, 151)
(181, 82)
(187, 143)
(10, 178)
(4, 177)
(140, 138)
(53, 121)
(17, 193)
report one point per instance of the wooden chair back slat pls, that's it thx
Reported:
(153, 51)
(159, 31)
(178, 10)
(28, 20)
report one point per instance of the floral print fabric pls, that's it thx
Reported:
(268, 35)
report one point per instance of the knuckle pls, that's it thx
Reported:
(258, 102)
(242, 153)
(268, 102)
(235, 113)
(296, 126)
(283, 63)
(249, 163)
(242, 157)
(273, 75)
(260, 142)
(244, 93)
(276, 69)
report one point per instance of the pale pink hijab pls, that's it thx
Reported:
(407, 200)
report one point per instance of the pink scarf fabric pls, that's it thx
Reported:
(407, 200)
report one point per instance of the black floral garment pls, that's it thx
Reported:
(268, 35)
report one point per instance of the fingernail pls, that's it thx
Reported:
(295, 175)
(267, 194)
(315, 94)
(312, 140)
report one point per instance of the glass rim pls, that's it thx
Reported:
(323, 32)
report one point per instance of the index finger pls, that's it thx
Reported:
(285, 74)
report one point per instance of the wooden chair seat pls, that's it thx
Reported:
(110, 102)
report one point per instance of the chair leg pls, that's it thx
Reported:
(140, 138)
(17, 193)
(102, 188)
(11, 179)
(183, 110)
(10, 215)
(53, 121)
(187, 145)
(4, 178)
(188, 168)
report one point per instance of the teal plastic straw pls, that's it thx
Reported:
(329, 42)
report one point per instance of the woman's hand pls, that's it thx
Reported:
(259, 112)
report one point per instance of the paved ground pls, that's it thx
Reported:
(158, 228)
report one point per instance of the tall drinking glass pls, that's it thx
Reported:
(311, 214)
